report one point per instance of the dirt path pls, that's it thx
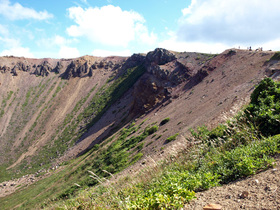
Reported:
(263, 193)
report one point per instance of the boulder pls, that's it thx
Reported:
(159, 57)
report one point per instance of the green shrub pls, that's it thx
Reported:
(179, 182)
(164, 121)
(218, 132)
(264, 109)
(151, 130)
(201, 133)
(242, 161)
(172, 138)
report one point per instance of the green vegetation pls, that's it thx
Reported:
(5, 175)
(239, 148)
(276, 56)
(81, 117)
(264, 109)
(178, 183)
(171, 138)
(104, 159)
(4, 103)
(104, 99)
(226, 153)
(27, 97)
(164, 121)
(116, 158)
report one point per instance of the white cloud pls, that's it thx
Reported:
(3, 30)
(17, 12)
(68, 52)
(59, 40)
(13, 46)
(231, 22)
(271, 45)
(105, 53)
(10, 42)
(194, 46)
(56, 40)
(109, 25)
(189, 9)
(18, 51)
(58, 47)
(211, 26)
(144, 36)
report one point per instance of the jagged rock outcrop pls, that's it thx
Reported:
(165, 66)
(14, 71)
(103, 64)
(163, 72)
(153, 88)
(76, 69)
(159, 57)
(4, 69)
(148, 93)
(20, 66)
(134, 60)
(58, 68)
(43, 70)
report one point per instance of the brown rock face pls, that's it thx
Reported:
(159, 57)
(148, 93)
(164, 71)
(58, 68)
(76, 69)
(43, 70)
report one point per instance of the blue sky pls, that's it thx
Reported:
(65, 29)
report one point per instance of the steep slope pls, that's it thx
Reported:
(37, 108)
(191, 89)
(54, 110)
(38, 97)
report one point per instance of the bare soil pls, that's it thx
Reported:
(263, 192)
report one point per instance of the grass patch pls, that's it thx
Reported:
(4, 102)
(171, 138)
